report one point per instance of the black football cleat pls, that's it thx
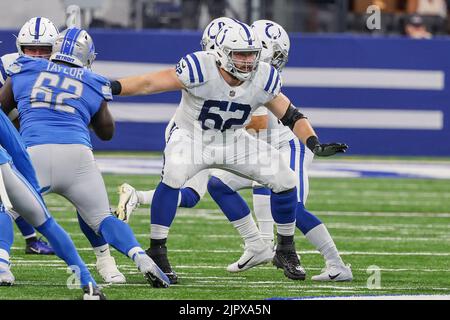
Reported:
(286, 258)
(159, 256)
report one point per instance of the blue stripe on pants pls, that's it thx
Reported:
(301, 169)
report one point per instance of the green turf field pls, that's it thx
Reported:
(401, 226)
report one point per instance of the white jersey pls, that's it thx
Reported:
(277, 133)
(209, 103)
(6, 60)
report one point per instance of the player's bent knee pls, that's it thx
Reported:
(217, 187)
(285, 182)
(95, 222)
(189, 198)
(174, 178)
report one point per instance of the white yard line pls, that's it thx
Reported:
(374, 253)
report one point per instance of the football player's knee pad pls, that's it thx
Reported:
(198, 183)
(216, 187)
(174, 181)
(94, 222)
(284, 181)
(174, 177)
(189, 197)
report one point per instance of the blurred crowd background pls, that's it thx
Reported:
(415, 18)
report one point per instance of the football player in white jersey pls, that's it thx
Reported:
(36, 39)
(220, 91)
(195, 188)
(276, 45)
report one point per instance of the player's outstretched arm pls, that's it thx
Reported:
(149, 83)
(289, 115)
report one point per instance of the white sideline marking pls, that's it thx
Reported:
(319, 168)
(321, 117)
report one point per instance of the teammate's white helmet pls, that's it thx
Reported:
(275, 42)
(211, 31)
(74, 46)
(238, 50)
(37, 31)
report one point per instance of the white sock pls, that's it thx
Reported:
(4, 255)
(158, 231)
(145, 197)
(133, 251)
(33, 235)
(263, 213)
(286, 229)
(248, 230)
(321, 239)
(102, 251)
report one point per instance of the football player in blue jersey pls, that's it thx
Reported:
(19, 191)
(36, 39)
(57, 101)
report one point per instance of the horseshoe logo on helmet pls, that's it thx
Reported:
(272, 35)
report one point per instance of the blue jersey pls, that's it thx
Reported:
(13, 149)
(56, 102)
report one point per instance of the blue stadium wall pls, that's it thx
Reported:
(382, 96)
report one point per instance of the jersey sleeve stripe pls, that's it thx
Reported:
(197, 65)
(277, 81)
(269, 82)
(3, 75)
(191, 72)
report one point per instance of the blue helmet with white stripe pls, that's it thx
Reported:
(74, 46)
(37, 31)
(238, 50)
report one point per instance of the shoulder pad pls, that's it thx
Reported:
(193, 69)
(268, 78)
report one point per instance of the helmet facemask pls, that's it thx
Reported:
(279, 58)
(28, 50)
(242, 63)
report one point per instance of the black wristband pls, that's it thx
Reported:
(116, 87)
(312, 142)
